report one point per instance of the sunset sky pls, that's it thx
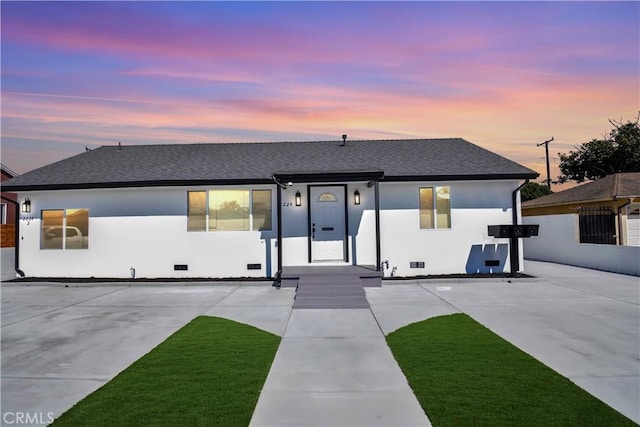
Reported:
(503, 75)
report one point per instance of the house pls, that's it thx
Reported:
(608, 209)
(406, 207)
(594, 225)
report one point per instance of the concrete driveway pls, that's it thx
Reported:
(61, 343)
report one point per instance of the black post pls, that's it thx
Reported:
(514, 252)
(279, 241)
(377, 197)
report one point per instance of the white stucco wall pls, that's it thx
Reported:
(147, 229)
(558, 242)
(144, 229)
(461, 249)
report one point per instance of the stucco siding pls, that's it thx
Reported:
(461, 249)
(141, 229)
(145, 229)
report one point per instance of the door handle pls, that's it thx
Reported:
(313, 232)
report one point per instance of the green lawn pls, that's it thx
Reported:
(210, 372)
(465, 375)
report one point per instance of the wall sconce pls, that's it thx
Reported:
(298, 199)
(26, 206)
(356, 197)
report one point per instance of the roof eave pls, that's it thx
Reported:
(134, 184)
(460, 177)
(576, 202)
(283, 176)
(374, 175)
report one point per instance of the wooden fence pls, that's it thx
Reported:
(8, 233)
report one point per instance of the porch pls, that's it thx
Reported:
(326, 287)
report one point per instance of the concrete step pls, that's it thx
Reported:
(330, 291)
(289, 283)
(331, 302)
(330, 283)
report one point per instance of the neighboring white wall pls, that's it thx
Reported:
(145, 229)
(461, 249)
(8, 264)
(557, 242)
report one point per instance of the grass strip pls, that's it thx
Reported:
(210, 372)
(465, 375)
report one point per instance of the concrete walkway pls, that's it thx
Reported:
(334, 368)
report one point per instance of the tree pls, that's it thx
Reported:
(617, 152)
(533, 190)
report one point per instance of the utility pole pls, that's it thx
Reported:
(546, 149)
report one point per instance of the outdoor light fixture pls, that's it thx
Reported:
(26, 206)
(356, 197)
(298, 199)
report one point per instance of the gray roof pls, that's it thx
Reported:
(611, 187)
(191, 164)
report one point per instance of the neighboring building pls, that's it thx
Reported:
(7, 210)
(410, 207)
(607, 210)
(7, 227)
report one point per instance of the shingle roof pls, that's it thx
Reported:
(182, 164)
(619, 185)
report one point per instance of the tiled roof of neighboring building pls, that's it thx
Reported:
(8, 172)
(619, 185)
(190, 164)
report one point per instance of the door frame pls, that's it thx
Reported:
(346, 219)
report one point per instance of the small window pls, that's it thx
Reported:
(3, 213)
(229, 210)
(65, 229)
(327, 197)
(443, 207)
(261, 209)
(196, 211)
(435, 208)
(426, 208)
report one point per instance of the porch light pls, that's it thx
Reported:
(298, 199)
(356, 197)
(26, 206)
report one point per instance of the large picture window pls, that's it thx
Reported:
(435, 208)
(65, 229)
(229, 210)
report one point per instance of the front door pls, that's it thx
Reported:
(327, 223)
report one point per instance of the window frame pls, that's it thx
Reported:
(433, 208)
(64, 227)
